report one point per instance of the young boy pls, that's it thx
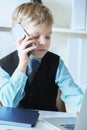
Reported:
(19, 85)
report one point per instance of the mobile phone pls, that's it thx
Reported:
(17, 32)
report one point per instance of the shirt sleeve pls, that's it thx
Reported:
(12, 88)
(72, 94)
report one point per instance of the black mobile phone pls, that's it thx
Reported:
(17, 32)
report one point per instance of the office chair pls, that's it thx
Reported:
(59, 103)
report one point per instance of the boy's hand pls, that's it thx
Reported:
(23, 50)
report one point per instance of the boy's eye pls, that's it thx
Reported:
(48, 37)
(35, 37)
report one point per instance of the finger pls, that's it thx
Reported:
(27, 41)
(29, 49)
(27, 38)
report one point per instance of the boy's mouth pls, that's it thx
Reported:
(41, 50)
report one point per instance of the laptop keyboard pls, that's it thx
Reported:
(69, 126)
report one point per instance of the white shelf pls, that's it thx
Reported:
(70, 32)
(5, 29)
(62, 31)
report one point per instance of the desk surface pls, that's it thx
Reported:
(40, 124)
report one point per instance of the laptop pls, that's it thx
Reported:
(71, 123)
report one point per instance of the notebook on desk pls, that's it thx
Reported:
(71, 123)
(18, 116)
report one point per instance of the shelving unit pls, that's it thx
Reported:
(65, 38)
(62, 30)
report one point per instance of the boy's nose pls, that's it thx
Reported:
(42, 41)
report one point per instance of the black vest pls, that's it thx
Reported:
(42, 93)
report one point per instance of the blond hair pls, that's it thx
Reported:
(32, 12)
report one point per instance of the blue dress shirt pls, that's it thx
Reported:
(12, 88)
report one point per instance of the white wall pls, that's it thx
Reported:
(6, 43)
(6, 9)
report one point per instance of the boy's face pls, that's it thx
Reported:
(42, 35)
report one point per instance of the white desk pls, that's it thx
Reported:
(40, 124)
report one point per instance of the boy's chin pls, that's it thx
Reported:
(38, 55)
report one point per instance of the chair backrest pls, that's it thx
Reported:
(1, 104)
(59, 103)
